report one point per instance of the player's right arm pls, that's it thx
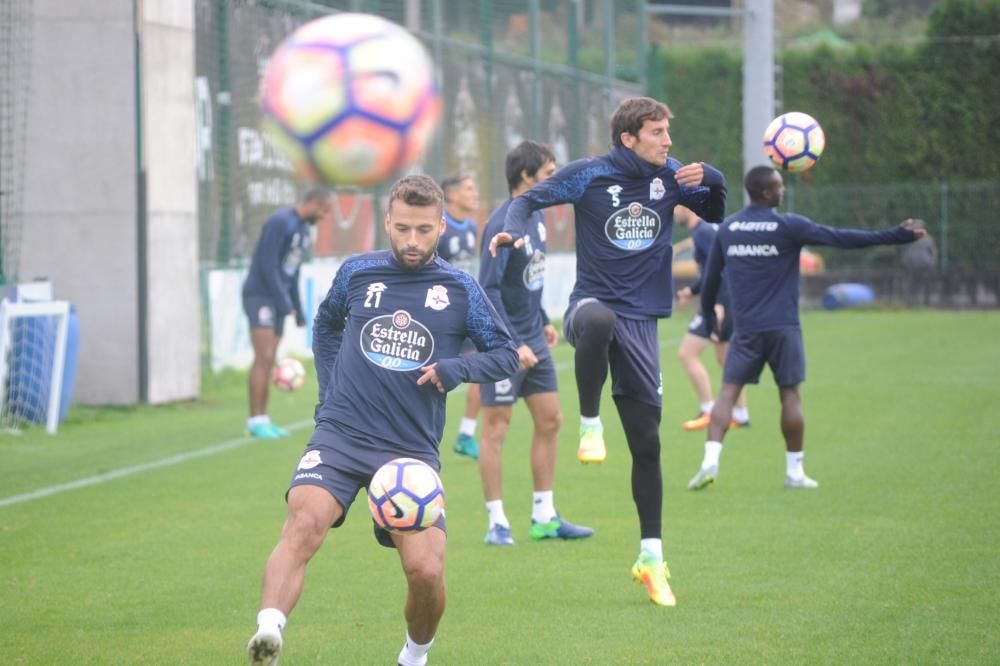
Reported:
(565, 186)
(328, 327)
(711, 281)
(273, 244)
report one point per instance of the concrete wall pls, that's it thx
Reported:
(81, 205)
(80, 184)
(173, 321)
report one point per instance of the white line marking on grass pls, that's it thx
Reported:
(136, 469)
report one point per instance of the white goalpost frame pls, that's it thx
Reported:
(10, 311)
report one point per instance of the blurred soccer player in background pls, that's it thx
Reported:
(514, 280)
(698, 336)
(458, 247)
(758, 248)
(386, 341)
(624, 204)
(271, 292)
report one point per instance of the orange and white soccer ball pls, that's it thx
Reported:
(405, 495)
(289, 374)
(350, 99)
(794, 141)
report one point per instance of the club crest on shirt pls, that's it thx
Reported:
(534, 272)
(656, 189)
(397, 342)
(633, 228)
(437, 298)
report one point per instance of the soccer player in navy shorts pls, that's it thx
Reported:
(386, 341)
(623, 203)
(514, 281)
(271, 293)
(759, 249)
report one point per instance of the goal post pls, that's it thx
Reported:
(33, 344)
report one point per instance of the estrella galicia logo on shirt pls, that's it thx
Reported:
(634, 227)
(397, 342)
(534, 272)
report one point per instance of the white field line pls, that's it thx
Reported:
(98, 479)
(136, 469)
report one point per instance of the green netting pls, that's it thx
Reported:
(509, 70)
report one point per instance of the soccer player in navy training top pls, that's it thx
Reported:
(271, 292)
(514, 280)
(624, 204)
(457, 246)
(698, 336)
(386, 341)
(759, 249)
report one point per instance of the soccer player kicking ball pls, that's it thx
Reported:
(514, 281)
(759, 249)
(386, 342)
(624, 204)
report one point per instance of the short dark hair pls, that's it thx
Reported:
(417, 190)
(758, 180)
(452, 182)
(632, 113)
(527, 157)
(315, 194)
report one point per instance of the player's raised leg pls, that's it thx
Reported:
(422, 557)
(591, 329)
(311, 512)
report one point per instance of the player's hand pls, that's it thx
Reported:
(431, 375)
(690, 175)
(551, 335)
(919, 232)
(504, 238)
(684, 295)
(526, 357)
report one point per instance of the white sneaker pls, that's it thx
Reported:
(803, 482)
(705, 477)
(264, 647)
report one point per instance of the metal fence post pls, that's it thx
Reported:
(944, 226)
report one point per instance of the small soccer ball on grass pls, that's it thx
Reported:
(350, 99)
(794, 141)
(289, 375)
(405, 495)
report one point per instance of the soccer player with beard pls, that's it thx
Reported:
(623, 203)
(386, 341)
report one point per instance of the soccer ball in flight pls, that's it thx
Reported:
(405, 495)
(289, 375)
(350, 99)
(794, 141)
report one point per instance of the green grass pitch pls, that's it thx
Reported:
(892, 561)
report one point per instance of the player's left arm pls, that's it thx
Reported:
(807, 232)
(703, 189)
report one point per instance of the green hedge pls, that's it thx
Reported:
(912, 130)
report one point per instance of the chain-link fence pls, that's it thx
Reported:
(15, 62)
(550, 70)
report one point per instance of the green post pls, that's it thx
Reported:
(437, 161)
(641, 62)
(944, 226)
(486, 39)
(537, 124)
(222, 135)
(574, 114)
